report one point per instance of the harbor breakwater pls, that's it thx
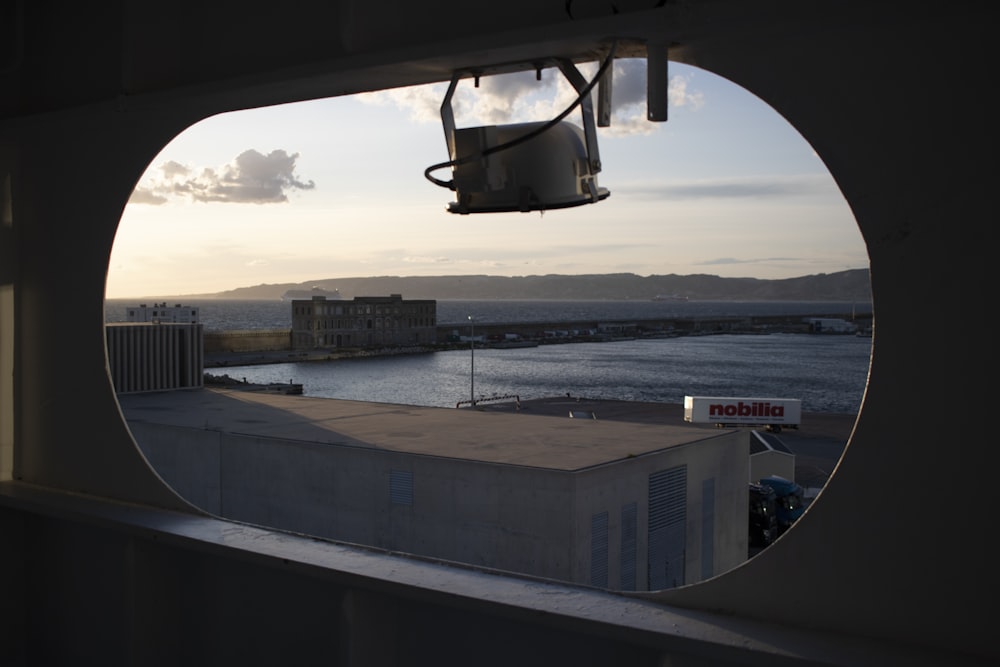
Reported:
(784, 323)
(250, 347)
(253, 340)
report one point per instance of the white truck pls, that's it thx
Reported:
(774, 413)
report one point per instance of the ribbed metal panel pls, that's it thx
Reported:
(401, 487)
(667, 497)
(155, 357)
(667, 532)
(630, 534)
(599, 550)
(707, 528)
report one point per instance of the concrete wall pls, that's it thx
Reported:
(343, 492)
(529, 520)
(188, 460)
(722, 538)
(248, 341)
(765, 464)
(106, 566)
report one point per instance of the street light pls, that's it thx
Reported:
(472, 362)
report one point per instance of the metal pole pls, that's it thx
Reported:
(472, 362)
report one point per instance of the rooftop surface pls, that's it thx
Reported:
(539, 433)
(493, 435)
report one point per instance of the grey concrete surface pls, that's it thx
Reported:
(501, 432)
(818, 443)
(495, 435)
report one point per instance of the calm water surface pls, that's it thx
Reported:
(828, 373)
(225, 315)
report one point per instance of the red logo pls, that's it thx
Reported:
(741, 409)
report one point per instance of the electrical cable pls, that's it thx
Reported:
(525, 137)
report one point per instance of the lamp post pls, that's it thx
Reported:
(472, 362)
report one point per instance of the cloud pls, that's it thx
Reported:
(725, 261)
(762, 187)
(422, 102)
(173, 170)
(252, 178)
(146, 196)
(418, 259)
(520, 97)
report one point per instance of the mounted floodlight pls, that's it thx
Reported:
(551, 170)
(526, 166)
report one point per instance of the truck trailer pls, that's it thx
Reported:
(773, 413)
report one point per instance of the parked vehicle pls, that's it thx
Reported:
(789, 500)
(763, 515)
(772, 413)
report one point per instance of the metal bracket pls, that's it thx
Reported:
(573, 75)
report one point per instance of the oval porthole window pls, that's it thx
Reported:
(302, 335)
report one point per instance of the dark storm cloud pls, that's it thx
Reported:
(252, 178)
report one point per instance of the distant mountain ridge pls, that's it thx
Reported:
(849, 285)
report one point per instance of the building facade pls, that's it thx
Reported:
(146, 356)
(521, 499)
(832, 325)
(161, 312)
(363, 322)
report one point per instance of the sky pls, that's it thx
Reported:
(335, 188)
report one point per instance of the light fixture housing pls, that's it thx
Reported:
(551, 170)
(527, 166)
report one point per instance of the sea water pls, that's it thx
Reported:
(246, 314)
(827, 372)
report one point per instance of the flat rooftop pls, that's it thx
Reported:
(531, 436)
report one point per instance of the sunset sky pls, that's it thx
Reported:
(336, 188)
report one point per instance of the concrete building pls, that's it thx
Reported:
(830, 325)
(106, 565)
(161, 312)
(770, 456)
(617, 505)
(365, 321)
(155, 356)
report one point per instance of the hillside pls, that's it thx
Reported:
(850, 285)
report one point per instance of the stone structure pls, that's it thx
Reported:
(249, 340)
(364, 322)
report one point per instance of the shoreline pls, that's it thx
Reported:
(287, 356)
(264, 357)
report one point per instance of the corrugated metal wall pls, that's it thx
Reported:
(155, 357)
